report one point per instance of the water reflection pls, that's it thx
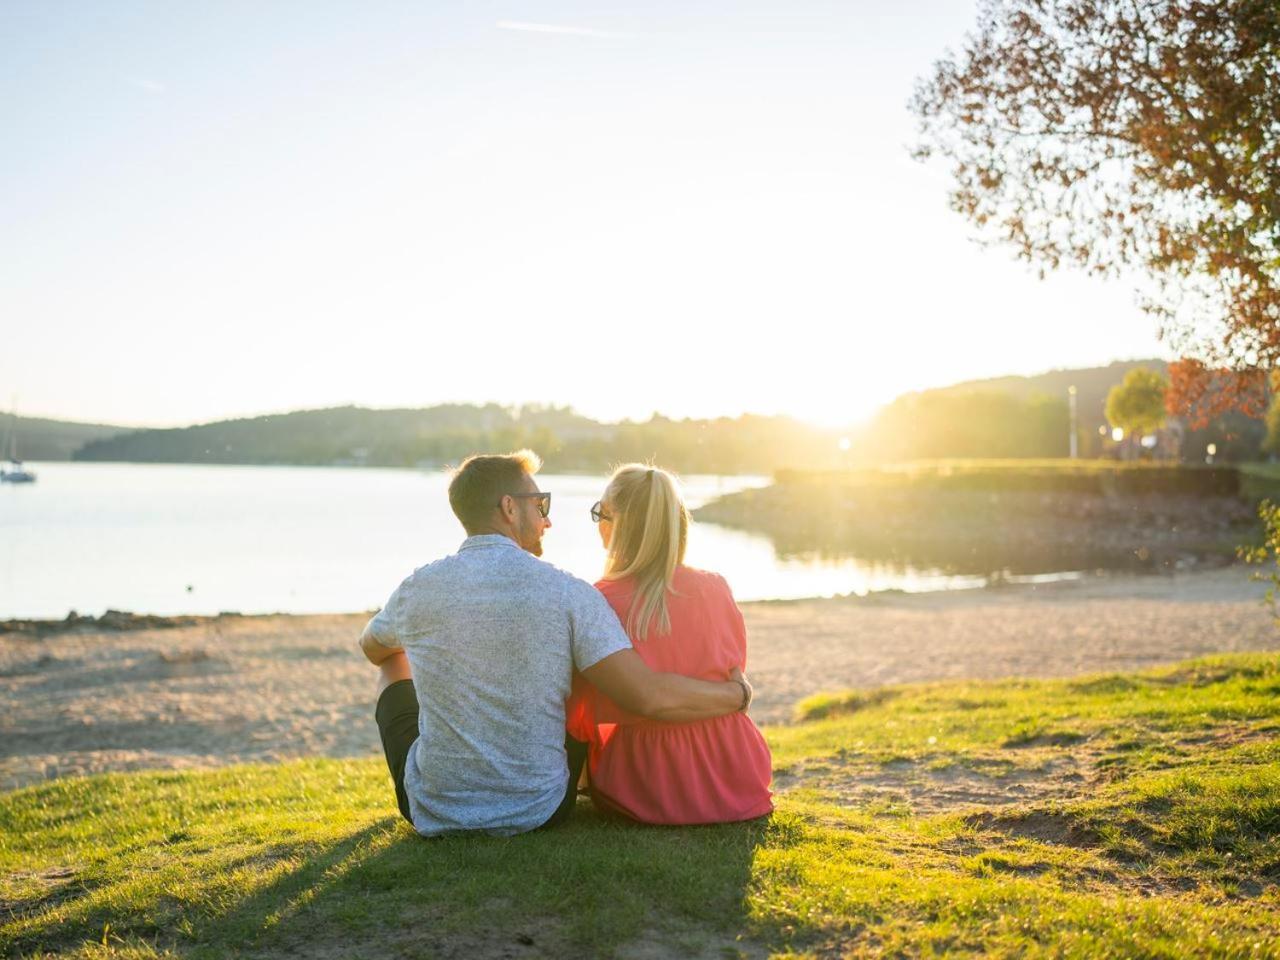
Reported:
(171, 539)
(1010, 561)
(1018, 538)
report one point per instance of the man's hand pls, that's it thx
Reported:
(627, 680)
(748, 691)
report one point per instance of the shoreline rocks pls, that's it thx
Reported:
(115, 621)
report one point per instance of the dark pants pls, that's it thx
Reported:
(397, 716)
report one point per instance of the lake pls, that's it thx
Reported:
(170, 539)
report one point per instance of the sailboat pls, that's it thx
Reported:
(15, 472)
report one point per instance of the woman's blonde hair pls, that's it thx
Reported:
(650, 530)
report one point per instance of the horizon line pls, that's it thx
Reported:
(572, 408)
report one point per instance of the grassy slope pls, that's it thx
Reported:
(1260, 481)
(1147, 824)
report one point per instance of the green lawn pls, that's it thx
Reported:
(1134, 815)
(1259, 481)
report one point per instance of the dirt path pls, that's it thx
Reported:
(266, 688)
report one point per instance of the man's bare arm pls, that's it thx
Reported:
(627, 680)
(374, 651)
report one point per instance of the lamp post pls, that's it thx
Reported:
(1071, 405)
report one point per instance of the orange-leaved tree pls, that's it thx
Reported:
(1201, 394)
(1130, 134)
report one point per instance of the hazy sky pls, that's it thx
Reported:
(700, 208)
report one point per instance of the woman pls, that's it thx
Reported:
(680, 620)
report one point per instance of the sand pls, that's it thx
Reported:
(239, 689)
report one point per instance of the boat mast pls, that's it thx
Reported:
(13, 429)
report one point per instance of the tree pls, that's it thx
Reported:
(939, 424)
(1136, 404)
(1128, 133)
(1271, 442)
(1200, 394)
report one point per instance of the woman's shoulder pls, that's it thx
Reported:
(623, 587)
(705, 582)
(689, 583)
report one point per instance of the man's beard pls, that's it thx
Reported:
(529, 539)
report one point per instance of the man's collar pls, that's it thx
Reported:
(488, 540)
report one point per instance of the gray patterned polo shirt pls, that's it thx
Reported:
(492, 634)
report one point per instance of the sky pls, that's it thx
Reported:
(694, 208)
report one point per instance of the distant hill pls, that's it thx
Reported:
(1028, 416)
(327, 436)
(436, 436)
(1092, 386)
(40, 439)
(1018, 417)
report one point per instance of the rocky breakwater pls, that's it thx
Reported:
(989, 520)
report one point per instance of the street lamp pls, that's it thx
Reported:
(1071, 403)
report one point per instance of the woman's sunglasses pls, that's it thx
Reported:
(544, 501)
(597, 512)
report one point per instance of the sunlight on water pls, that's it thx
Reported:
(202, 539)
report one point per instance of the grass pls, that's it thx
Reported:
(1120, 815)
(1260, 481)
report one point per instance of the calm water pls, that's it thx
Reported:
(201, 539)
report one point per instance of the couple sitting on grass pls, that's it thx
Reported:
(501, 675)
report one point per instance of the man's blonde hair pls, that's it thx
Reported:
(650, 532)
(481, 481)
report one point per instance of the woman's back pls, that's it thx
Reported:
(709, 771)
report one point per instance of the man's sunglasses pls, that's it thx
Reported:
(544, 501)
(597, 512)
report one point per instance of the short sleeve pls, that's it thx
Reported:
(594, 630)
(384, 627)
(737, 625)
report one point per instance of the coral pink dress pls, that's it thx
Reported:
(708, 771)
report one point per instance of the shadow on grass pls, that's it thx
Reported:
(583, 889)
(578, 890)
(292, 900)
(109, 911)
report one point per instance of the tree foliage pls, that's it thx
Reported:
(1137, 403)
(1268, 554)
(940, 424)
(1271, 442)
(1116, 134)
(446, 434)
(1201, 394)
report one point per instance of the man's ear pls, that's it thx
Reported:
(507, 508)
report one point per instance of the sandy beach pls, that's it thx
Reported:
(240, 689)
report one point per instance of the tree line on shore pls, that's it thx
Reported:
(444, 435)
(952, 423)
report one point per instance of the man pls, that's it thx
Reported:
(477, 652)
